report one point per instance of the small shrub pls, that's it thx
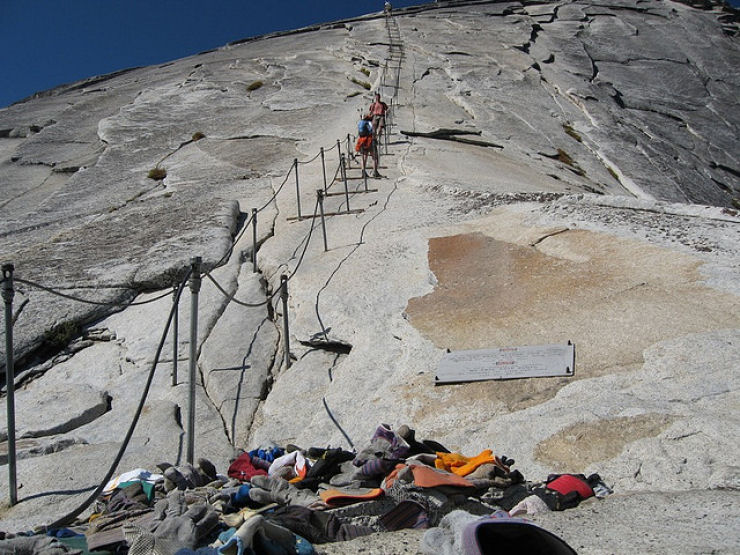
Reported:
(365, 71)
(572, 132)
(612, 172)
(254, 85)
(157, 173)
(364, 84)
(197, 136)
(353, 94)
(60, 336)
(564, 157)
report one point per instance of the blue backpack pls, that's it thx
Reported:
(364, 128)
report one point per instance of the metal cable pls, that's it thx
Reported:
(87, 301)
(280, 188)
(308, 240)
(231, 297)
(236, 239)
(331, 416)
(336, 173)
(69, 517)
(312, 159)
(341, 262)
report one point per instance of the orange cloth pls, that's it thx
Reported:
(428, 477)
(364, 143)
(462, 465)
(337, 497)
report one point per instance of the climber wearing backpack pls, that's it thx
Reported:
(366, 143)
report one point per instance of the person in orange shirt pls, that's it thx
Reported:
(366, 143)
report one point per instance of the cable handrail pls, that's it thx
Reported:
(280, 188)
(312, 159)
(59, 293)
(69, 517)
(231, 297)
(308, 240)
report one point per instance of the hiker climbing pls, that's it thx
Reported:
(378, 109)
(366, 144)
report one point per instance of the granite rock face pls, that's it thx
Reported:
(556, 171)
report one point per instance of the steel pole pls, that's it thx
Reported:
(385, 134)
(8, 294)
(195, 282)
(286, 327)
(376, 147)
(323, 166)
(297, 188)
(346, 187)
(320, 195)
(175, 333)
(254, 240)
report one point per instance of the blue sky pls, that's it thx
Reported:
(44, 43)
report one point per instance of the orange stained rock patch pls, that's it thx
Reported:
(612, 297)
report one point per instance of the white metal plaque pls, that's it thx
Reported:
(506, 363)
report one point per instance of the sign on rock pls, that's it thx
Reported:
(506, 363)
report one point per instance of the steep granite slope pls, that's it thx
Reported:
(556, 171)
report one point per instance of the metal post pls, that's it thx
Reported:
(376, 146)
(286, 327)
(323, 167)
(175, 333)
(320, 195)
(8, 293)
(385, 134)
(195, 282)
(339, 151)
(346, 187)
(254, 240)
(349, 150)
(297, 189)
(364, 177)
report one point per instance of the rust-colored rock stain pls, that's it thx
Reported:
(612, 297)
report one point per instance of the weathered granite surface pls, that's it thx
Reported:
(606, 214)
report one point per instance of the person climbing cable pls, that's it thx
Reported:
(366, 144)
(378, 110)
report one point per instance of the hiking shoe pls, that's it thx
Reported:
(377, 175)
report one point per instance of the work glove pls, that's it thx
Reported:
(266, 489)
